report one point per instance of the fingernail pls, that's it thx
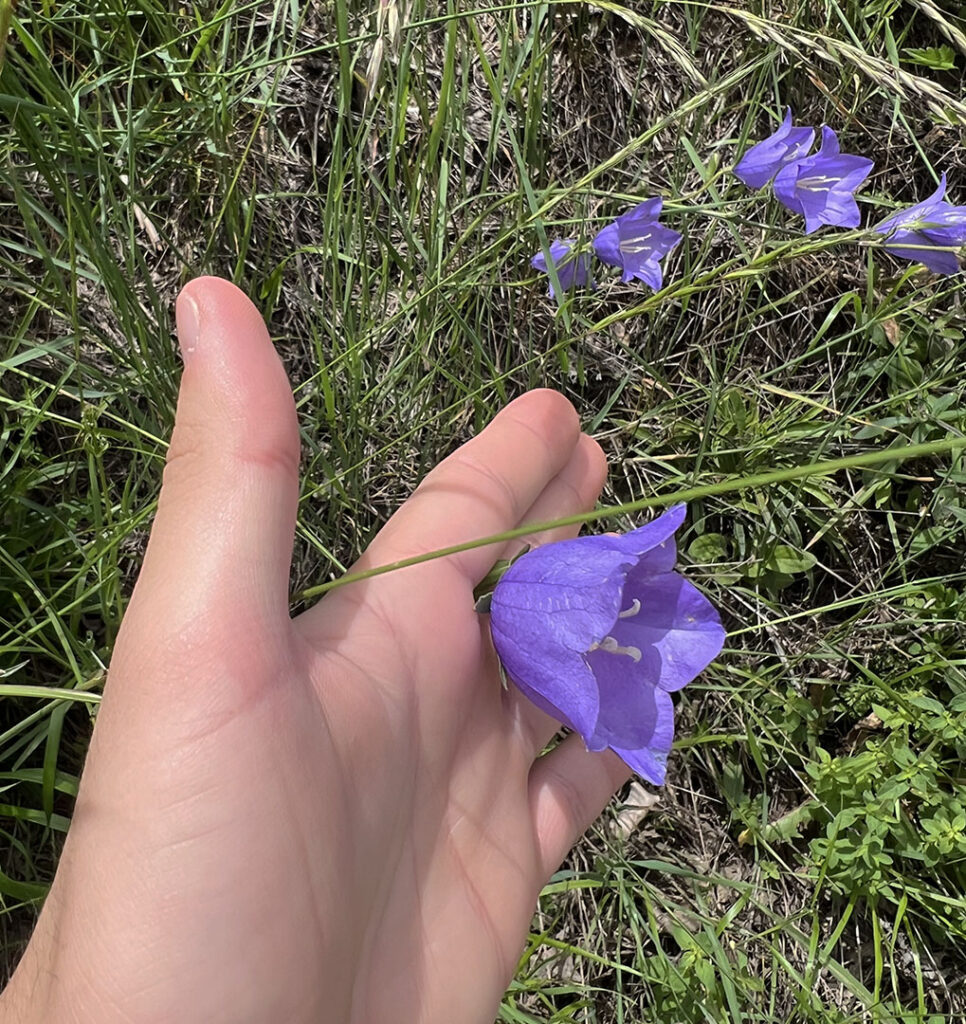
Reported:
(187, 316)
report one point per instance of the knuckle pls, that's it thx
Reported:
(275, 455)
(467, 465)
(198, 450)
(185, 452)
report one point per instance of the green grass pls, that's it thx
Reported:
(801, 866)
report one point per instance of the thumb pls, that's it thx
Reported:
(222, 539)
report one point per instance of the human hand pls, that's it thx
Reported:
(341, 817)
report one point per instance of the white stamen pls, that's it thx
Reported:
(815, 184)
(636, 244)
(611, 646)
(629, 613)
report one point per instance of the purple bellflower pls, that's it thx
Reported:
(635, 243)
(765, 159)
(821, 187)
(933, 222)
(572, 269)
(599, 631)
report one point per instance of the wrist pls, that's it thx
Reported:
(15, 1007)
(26, 997)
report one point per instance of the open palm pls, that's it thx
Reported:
(340, 818)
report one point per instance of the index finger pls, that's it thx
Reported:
(485, 487)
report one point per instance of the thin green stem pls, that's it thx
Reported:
(751, 482)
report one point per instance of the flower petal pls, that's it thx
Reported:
(938, 261)
(655, 539)
(784, 188)
(830, 144)
(765, 159)
(572, 270)
(841, 211)
(636, 241)
(558, 681)
(650, 760)
(949, 224)
(648, 271)
(629, 712)
(920, 212)
(565, 594)
(607, 245)
(932, 222)
(821, 187)
(677, 629)
(641, 246)
(644, 213)
(559, 249)
(837, 210)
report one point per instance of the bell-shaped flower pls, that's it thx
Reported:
(822, 187)
(599, 631)
(636, 242)
(765, 159)
(927, 225)
(572, 268)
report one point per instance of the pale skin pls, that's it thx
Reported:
(341, 817)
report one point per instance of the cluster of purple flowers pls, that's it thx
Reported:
(635, 243)
(599, 631)
(822, 188)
